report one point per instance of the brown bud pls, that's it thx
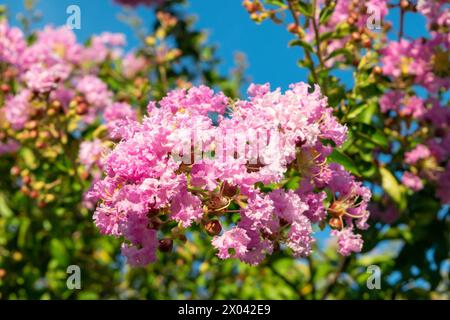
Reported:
(165, 245)
(155, 223)
(81, 108)
(335, 223)
(356, 36)
(404, 4)
(213, 227)
(15, 170)
(293, 28)
(367, 43)
(31, 124)
(351, 21)
(26, 179)
(377, 70)
(41, 204)
(33, 134)
(40, 144)
(34, 194)
(56, 104)
(229, 190)
(24, 190)
(51, 112)
(5, 88)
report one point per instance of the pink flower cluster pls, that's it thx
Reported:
(56, 67)
(153, 181)
(354, 13)
(419, 59)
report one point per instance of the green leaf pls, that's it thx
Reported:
(341, 51)
(292, 184)
(305, 45)
(59, 252)
(23, 231)
(325, 14)
(396, 191)
(279, 3)
(304, 8)
(370, 133)
(344, 160)
(5, 211)
(29, 158)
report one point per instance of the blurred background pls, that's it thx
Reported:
(37, 244)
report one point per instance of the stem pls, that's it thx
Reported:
(319, 50)
(312, 273)
(342, 265)
(400, 32)
(292, 285)
(307, 54)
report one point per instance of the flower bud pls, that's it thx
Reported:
(213, 227)
(335, 223)
(404, 4)
(81, 108)
(5, 88)
(15, 170)
(165, 245)
(26, 179)
(377, 70)
(34, 194)
(229, 190)
(356, 36)
(293, 28)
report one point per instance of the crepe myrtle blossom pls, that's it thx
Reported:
(155, 188)
(12, 43)
(354, 13)
(412, 181)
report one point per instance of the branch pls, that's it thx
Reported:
(291, 284)
(307, 54)
(342, 266)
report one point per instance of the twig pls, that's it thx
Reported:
(342, 265)
(400, 32)
(307, 54)
(287, 281)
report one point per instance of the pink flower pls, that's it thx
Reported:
(391, 101)
(300, 237)
(9, 146)
(288, 205)
(17, 109)
(414, 106)
(347, 241)
(186, 208)
(44, 79)
(133, 64)
(144, 245)
(117, 115)
(90, 153)
(418, 153)
(95, 91)
(443, 191)
(12, 43)
(180, 163)
(232, 243)
(412, 181)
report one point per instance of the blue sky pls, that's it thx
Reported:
(228, 25)
(227, 22)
